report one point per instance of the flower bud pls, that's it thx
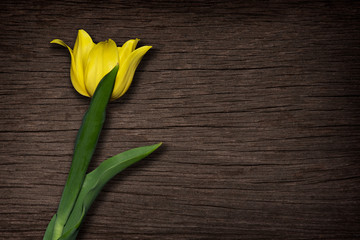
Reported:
(90, 62)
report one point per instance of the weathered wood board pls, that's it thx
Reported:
(257, 104)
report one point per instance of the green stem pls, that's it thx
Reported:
(85, 144)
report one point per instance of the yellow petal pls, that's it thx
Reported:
(78, 85)
(127, 71)
(126, 49)
(61, 42)
(119, 52)
(102, 59)
(82, 48)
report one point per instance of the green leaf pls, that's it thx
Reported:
(85, 144)
(73, 232)
(50, 228)
(96, 180)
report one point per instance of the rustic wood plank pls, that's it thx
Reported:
(257, 104)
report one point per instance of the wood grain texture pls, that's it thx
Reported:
(257, 104)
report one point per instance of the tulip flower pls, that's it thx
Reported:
(103, 72)
(90, 62)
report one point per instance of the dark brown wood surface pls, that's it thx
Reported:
(257, 104)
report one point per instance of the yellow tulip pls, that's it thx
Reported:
(90, 62)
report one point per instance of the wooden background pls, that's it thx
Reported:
(257, 104)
